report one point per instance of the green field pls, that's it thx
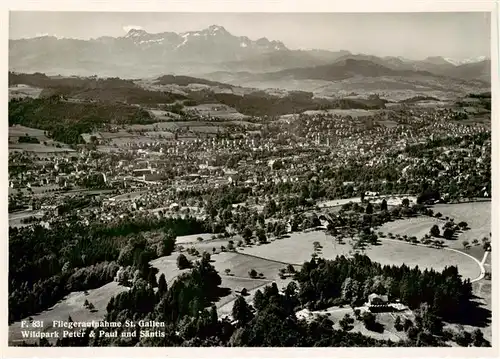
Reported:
(17, 131)
(476, 214)
(23, 91)
(416, 226)
(299, 246)
(73, 305)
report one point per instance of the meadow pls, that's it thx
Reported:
(299, 247)
(46, 145)
(72, 304)
(476, 214)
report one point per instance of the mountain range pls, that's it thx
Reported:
(214, 49)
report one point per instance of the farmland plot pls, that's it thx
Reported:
(38, 148)
(24, 91)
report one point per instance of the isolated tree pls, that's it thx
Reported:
(448, 233)
(465, 244)
(258, 300)
(487, 246)
(405, 202)
(346, 323)
(369, 320)
(383, 205)
(206, 257)
(397, 324)
(407, 324)
(369, 208)
(241, 311)
(252, 273)
(261, 236)
(477, 338)
(428, 320)
(463, 338)
(291, 289)
(168, 243)
(151, 277)
(247, 234)
(183, 262)
(435, 231)
(463, 225)
(448, 224)
(162, 285)
(227, 271)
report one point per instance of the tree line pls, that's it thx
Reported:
(43, 262)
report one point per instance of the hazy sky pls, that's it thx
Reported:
(412, 35)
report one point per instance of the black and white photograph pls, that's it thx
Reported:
(247, 179)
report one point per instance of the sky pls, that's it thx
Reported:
(411, 35)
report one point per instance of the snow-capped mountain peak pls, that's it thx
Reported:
(136, 33)
(471, 60)
(213, 44)
(215, 29)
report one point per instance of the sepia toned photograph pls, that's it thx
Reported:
(250, 179)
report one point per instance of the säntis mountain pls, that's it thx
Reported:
(214, 49)
(140, 53)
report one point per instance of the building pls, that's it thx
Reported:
(378, 303)
(376, 299)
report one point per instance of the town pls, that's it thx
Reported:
(158, 179)
(256, 196)
(256, 183)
